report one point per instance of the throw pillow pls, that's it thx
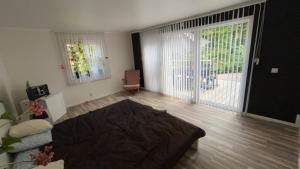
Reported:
(29, 127)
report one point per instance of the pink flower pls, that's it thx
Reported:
(37, 107)
(43, 157)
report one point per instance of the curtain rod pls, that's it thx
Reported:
(241, 5)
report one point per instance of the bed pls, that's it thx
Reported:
(124, 135)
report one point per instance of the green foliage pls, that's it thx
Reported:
(225, 47)
(78, 58)
(8, 116)
(7, 142)
(74, 57)
(222, 48)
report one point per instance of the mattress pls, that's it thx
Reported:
(124, 135)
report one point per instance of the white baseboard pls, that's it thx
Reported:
(270, 119)
(93, 98)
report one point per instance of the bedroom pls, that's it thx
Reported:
(228, 68)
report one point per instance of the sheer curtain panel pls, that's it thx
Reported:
(151, 49)
(84, 56)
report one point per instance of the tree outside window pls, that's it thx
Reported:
(78, 60)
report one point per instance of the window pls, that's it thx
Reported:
(84, 56)
(77, 59)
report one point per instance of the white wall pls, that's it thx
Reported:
(5, 89)
(34, 55)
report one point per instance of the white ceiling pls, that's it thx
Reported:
(101, 15)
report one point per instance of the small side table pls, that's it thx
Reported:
(54, 105)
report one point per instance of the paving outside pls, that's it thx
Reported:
(226, 92)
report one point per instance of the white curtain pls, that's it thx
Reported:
(178, 57)
(151, 42)
(84, 56)
(168, 59)
(202, 64)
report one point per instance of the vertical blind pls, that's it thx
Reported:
(222, 64)
(178, 62)
(202, 60)
(151, 45)
(84, 56)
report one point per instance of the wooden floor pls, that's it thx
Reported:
(232, 141)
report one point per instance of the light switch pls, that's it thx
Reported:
(275, 70)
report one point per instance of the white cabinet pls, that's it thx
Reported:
(54, 105)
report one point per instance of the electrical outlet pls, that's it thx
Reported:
(275, 70)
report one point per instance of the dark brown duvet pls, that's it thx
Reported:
(124, 135)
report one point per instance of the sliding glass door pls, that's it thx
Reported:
(222, 60)
(205, 64)
(178, 64)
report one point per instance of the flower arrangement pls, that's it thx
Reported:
(43, 157)
(36, 107)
